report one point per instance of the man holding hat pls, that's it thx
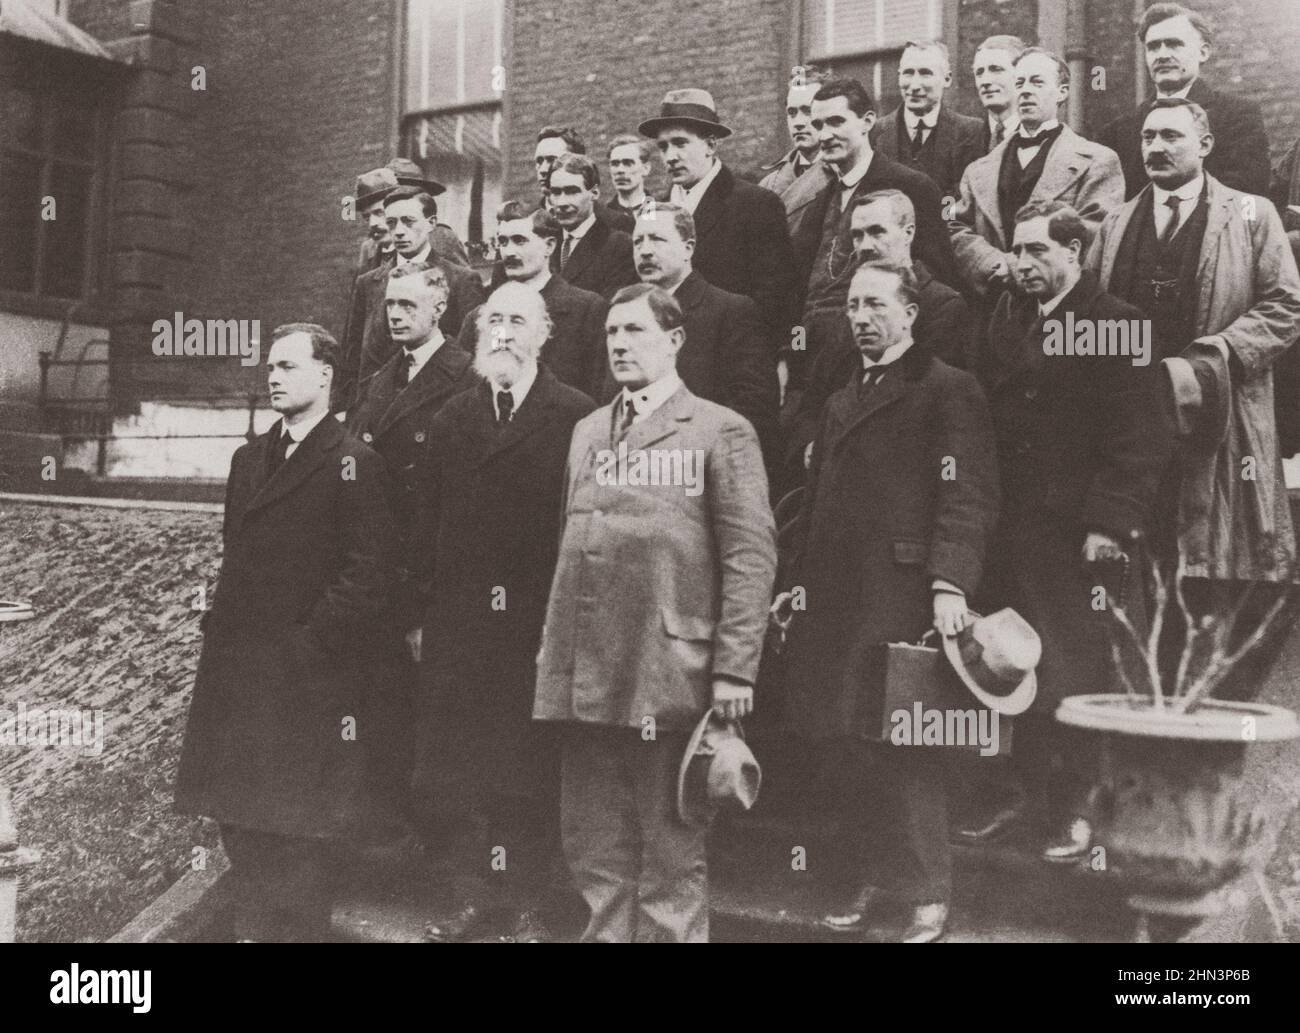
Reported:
(742, 240)
(657, 612)
(901, 502)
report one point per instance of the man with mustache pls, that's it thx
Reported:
(995, 82)
(591, 255)
(725, 357)
(1212, 269)
(1176, 43)
(527, 237)
(488, 534)
(806, 151)
(1043, 160)
(922, 132)
(629, 158)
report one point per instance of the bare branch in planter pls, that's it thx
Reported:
(1149, 658)
(1191, 633)
(1121, 667)
(1220, 664)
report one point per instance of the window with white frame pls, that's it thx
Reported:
(864, 38)
(451, 122)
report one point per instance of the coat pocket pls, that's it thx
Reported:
(909, 550)
(693, 629)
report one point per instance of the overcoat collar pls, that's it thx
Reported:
(311, 452)
(441, 371)
(850, 410)
(489, 440)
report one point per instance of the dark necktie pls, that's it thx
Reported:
(505, 407)
(1037, 140)
(918, 139)
(999, 134)
(279, 453)
(629, 414)
(1171, 227)
(404, 369)
(872, 377)
(566, 250)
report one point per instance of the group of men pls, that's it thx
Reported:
(446, 610)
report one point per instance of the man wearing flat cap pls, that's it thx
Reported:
(742, 240)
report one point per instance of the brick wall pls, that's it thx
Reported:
(572, 61)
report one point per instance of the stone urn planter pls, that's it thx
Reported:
(1177, 820)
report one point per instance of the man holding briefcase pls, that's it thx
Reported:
(901, 500)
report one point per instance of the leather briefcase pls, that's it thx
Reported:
(920, 700)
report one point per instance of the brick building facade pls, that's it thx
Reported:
(226, 201)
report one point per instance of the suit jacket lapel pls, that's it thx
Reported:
(852, 411)
(310, 454)
(439, 373)
(534, 412)
(1063, 168)
(712, 205)
(661, 423)
(586, 250)
(1221, 209)
(984, 186)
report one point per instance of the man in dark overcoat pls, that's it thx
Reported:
(395, 417)
(591, 254)
(274, 748)
(488, 538)
(900, 506)
(1081, 449)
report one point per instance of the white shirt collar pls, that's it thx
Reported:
(425, 352)
(1046, 308)
(1187, 192)
(652, 396)
(1011, 125)
(420, 256)
(689, 199)
(1180, 93)
(1046, 127)
(518, 390)
(890, 356)
(854, 176)
(299, 431)
(930, 119)
(580, 231)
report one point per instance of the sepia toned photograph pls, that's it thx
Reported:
(557, 471)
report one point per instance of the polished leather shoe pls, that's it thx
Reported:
(1075, 844)
(856, 918)
(455, 928)
(530, 927)
(993, 829)
(928, 925)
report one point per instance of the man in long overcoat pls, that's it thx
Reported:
(900, 506)
(1081, 450)
(274, 750)
(488, 537)
(1212, 269)
(657, 613)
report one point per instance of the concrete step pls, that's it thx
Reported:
(1002, 894)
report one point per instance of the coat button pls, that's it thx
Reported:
(1031, 392)
(367, 437)
(419, 437)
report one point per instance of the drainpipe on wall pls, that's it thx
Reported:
(1076, 56)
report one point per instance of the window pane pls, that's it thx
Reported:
(74, 128)
(65, 236)
(451, 49)
(850, 26)
(481, 36)
(463, 152)
(20, 186)
(19, 117)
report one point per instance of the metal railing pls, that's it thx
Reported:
(89, 418)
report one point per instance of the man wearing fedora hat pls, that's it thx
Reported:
(1212, 270)
(1081, 460)
(742, 241)
(901, 502)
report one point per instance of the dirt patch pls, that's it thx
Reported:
(115, 632)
